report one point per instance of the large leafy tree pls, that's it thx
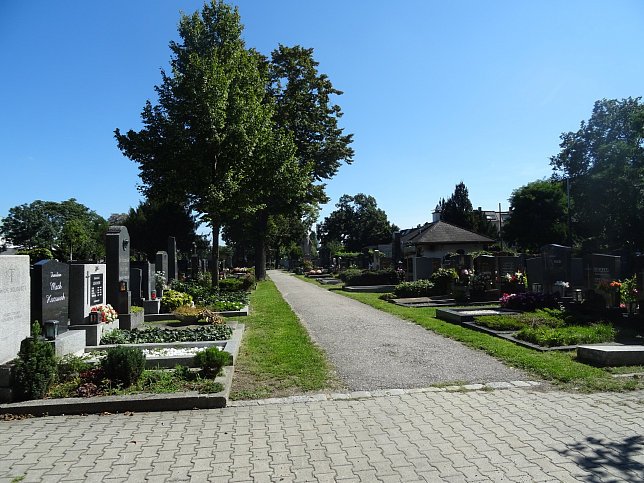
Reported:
(68, 228)
(152, 222)
(357, 222)
(538, 214)
(604, 163)
(210, 117)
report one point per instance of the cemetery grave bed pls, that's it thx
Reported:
(159, 389)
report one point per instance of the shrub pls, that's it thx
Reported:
(370, 277)
(249, 282)
(123, 365)
(71, 367)
(442, 279)
(186, 313)
(420, 288)
(230, 284)
(172, 300)
(35, 367)
(529, 301)
(211, 360)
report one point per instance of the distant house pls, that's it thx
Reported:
(424, 247)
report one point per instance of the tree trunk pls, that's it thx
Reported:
(260, 246)
(214, 269)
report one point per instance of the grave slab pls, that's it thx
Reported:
(611, 355)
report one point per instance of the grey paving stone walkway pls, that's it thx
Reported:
(375, 350)
(501, 435)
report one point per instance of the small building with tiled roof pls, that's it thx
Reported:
(424, 247)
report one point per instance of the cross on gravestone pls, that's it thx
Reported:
(50, 293)
(117, 261)
(14, 304)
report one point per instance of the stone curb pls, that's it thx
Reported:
(384, 393)
(117, 404)
(137, 402)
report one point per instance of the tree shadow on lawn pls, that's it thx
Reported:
(597, 455)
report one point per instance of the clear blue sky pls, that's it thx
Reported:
(434, 92)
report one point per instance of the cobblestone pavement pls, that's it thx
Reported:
(414, 435)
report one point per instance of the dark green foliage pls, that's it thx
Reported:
(604, 160)
(173, 299)
(67, 228)
(34, 368)
(443, 278)
(211, 360)
(538, 214)
(561, 336)
(71, 367)
(370, 277)
(245, 284)
(420, 288)
(155, 334)
(357, 223)
(212, 297)
(458, 211)
(529, 301)
(123, 365)
(37, 254)
(152, 221)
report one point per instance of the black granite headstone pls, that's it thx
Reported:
(136, 276)
(599, 267)
(147, 278)
(117, 261)
(534, 271)
(556, 266)
(50, 293)
(173, 270)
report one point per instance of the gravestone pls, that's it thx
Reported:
(147, 278)
(136, 277)
(117, 263)
(162, 263)
(86, 290)
(14, 304)
(50, 293)
(194, 265)
(173, 269)
(534, 271)
(508, 266)
(577, 273)
(599, 267)
(556, 266)
(183, 266)
(485, 264)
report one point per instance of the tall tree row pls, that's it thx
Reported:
(239, 137)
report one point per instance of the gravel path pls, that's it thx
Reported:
(375, 350)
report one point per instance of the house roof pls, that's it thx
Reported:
(443, 233)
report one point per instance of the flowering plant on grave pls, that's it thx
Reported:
(560, 283)
(159, 279)
(106, 313)
(628, 290)
(516, 278)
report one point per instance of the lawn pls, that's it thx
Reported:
(277, 357)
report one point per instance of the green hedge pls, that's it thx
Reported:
(370, 277)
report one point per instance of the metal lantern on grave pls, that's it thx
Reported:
(51, 329)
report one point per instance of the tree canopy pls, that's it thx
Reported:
(458, 211)
(69, 229)
(240, 137)
(538, 214)
(357, 223)
(604, 162)
(210, 117)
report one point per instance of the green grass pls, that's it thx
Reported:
(277, 357)
(560, 368)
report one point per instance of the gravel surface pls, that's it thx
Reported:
(375, 350)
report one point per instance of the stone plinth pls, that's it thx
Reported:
(14, 304)
(94, 332)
